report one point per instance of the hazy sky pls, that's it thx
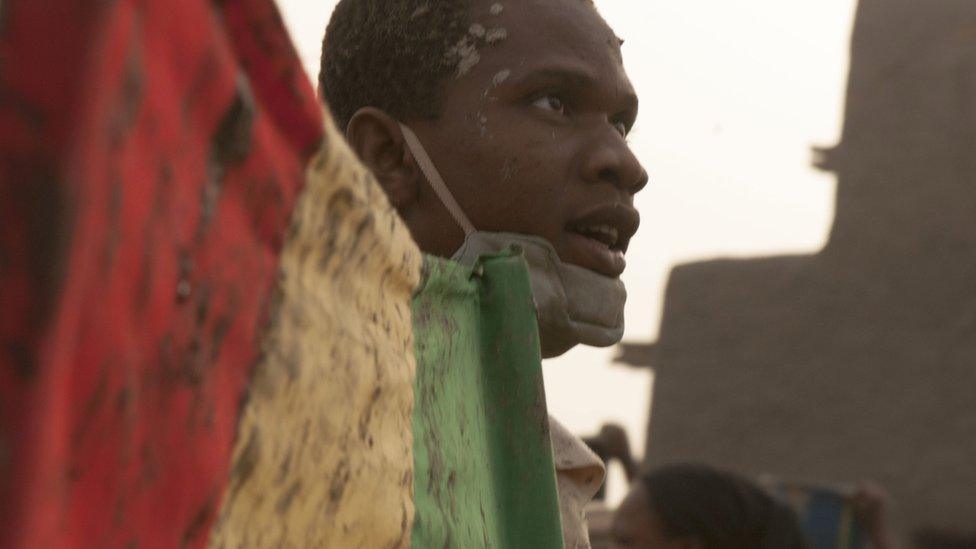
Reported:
(733, 97)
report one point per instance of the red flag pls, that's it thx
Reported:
(150, 157)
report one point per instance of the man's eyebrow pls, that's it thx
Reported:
(574, 75)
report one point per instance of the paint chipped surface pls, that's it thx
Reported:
(325, 456)
(496, 9)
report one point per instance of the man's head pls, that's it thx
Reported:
(523, 106)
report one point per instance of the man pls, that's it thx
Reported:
(498, 123)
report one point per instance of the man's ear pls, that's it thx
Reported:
(376, 139)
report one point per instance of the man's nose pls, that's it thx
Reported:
(610, 160)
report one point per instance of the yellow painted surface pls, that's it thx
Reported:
(324, 451)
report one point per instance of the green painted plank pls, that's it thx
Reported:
(484, 473)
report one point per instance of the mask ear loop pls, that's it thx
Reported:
(435, 180)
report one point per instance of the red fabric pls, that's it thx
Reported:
(150, 156)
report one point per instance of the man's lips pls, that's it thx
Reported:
(594, 255)
(600, 236)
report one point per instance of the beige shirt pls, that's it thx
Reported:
(579, 475)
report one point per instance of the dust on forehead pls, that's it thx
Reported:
(373, 47)
(466, 53)
(488, 27)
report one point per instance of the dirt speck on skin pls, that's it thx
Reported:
(496, 35)
(465, 55)
(483, 125)
(509, 169)
(496, 9)
(500, 77)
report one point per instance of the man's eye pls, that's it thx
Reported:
(550, 103)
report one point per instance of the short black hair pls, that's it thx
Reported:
(721, 509)
(393, 55)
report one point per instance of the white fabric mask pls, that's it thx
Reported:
(573, 305)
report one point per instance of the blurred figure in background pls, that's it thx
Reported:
(612, 444)
(678, 504)
(694, 506)
(690, 506)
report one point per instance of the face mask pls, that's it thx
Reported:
(574, 305)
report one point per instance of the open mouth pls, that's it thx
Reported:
(605, 234)
(601, 237)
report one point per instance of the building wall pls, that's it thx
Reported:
(860, 361)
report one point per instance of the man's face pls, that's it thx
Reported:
(532, 137)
